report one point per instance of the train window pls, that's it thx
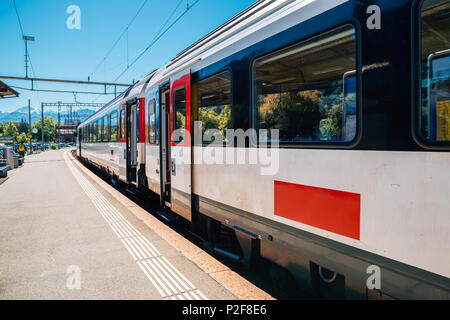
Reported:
(122, 124)
(434, 120)
(179, 113)
(91, 126)
(308, 91)
(105, 129)
(100, 130)
(114, 126)
(94, 131)
(152, 122)
(212, 103)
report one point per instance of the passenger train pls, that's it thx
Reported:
(353, 100)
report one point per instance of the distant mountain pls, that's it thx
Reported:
(22, 114)
(25, 110)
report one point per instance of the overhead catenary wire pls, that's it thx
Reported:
(125, 31)
(159, 34)
(18, 18)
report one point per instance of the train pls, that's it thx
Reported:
(314, 134)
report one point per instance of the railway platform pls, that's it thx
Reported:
(66, 234)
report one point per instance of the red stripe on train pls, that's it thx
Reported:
(331, 210)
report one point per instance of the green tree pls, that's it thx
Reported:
(10, 130)
(296, 114)
(23, 126)
(2, 126)
(22, 138)
(49, 129)
(216, 118)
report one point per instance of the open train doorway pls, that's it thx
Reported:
(132, 138)
(165, 146)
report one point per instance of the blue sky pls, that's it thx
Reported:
(74, 54)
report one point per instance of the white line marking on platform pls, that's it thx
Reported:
(168, 281)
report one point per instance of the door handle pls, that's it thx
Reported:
(174, 168)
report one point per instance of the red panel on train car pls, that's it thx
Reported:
(331, 210)
(142, 113)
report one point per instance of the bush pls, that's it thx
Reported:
(53, 146)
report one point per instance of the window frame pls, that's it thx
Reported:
(174, 115)
(117, 118)
(122, 128)
(105, 128)
(99, 122)
(314, 144)
(227, 69)
(416, 78)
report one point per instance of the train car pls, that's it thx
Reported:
(341, 114)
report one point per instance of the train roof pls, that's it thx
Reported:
(259, 21)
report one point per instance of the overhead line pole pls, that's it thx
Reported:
(66, 81)
(29, 132)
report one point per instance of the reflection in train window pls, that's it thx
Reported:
(105, 129)
(114, 126)
(179, 114)
(100, 130)
(300, 90)
(95, 131)
(434, 118)
(152, 122)
(212, 103)
(122, 124)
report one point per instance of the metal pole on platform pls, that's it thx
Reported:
(59, 123)
(30, 151)
(42, 130)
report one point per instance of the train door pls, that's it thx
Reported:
(122, 149)
(180, 162)
(132, 127)
(165, 145)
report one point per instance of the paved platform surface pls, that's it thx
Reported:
(64, 237)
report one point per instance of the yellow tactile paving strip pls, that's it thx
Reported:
(237, 285)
